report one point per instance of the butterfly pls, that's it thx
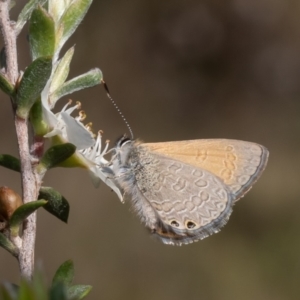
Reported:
(184, 191)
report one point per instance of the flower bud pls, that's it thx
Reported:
(9, 202)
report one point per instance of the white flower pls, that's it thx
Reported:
(101, 168)
(63, 128)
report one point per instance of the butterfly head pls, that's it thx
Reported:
(122, 151)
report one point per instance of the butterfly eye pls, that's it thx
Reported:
(190, 224)
(122, 141)
(174, 223)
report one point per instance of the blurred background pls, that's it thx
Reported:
(181, 70)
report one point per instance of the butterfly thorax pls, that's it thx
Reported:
(135, 165)
(135, 172)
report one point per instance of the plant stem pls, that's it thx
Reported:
(30, 192)
(30, 182)
(9, 37)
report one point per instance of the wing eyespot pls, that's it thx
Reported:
(190, 224)
(174, 223)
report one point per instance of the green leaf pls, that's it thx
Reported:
(33, 82)
(41, 33)
(26, 292)
(39, 285)
(6, 86)
(83, 81)
(64, 274)
(5, 294)
(9, 291)
(10, 162)
(57, 205)
(58, 292)
(8, 245)
(26, 13)
(62, 70)
(72, 17)
(21, 213)
(57, 8)
(79, 291)
(36, 117)
(57, 154)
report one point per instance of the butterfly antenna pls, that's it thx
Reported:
(117, 108)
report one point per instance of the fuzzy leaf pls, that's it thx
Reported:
(64, 274)
(62, 70)
(78, 83)
(10, 162)
(5, 294)
(33, 82)
(58, 292)
(41, 33)
(37, 120)
(57, 154)
(5, 85)
(21, 213)
(26, 13)
(57, 205)
(72, 17)
(9, 291)
(8, 245)
(26, 292)
(79, 291)
(57, 8)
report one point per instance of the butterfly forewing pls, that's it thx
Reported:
(239, 164)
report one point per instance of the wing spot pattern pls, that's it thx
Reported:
(229, 148)
(204, 196)
(175, 167)
(189, 205)
(179, 206)
(229, 165)
(174, 223)
(201, 183)
(201, 155)
(231, 157)
(167, 206)
(221, 193)
(179, 185)
(226, 174)
(197, 200)
(190, 224)
(197, 173)
(157, 206)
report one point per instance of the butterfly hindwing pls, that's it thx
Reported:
(190, 203)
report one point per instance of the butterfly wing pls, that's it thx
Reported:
(184, 191)
(188, 203)
(239, 164)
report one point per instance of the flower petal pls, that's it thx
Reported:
(77, 133)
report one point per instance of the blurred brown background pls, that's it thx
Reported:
(182, 70)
